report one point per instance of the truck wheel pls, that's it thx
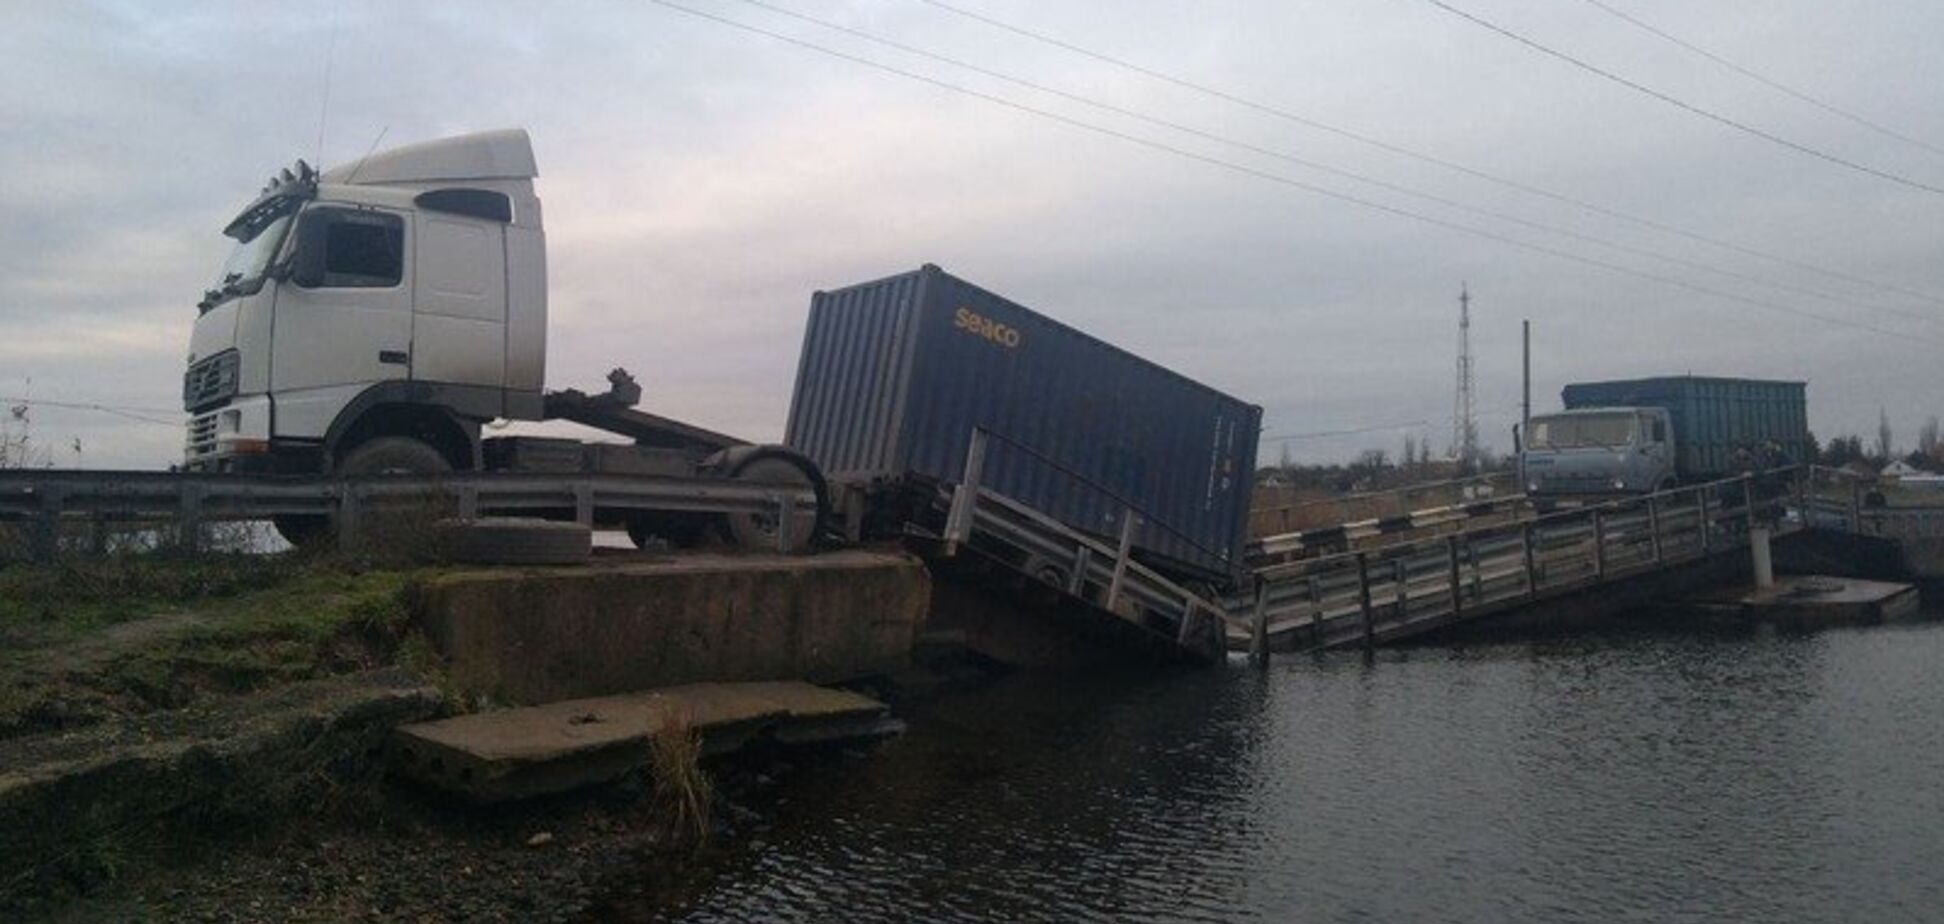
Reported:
(679, 530)
(393, 455)
(300, 529)
(756, 532)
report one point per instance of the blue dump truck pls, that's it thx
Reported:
(897, 373)
(1641, 435)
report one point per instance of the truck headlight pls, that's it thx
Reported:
(1619, 484)
(1532, 487)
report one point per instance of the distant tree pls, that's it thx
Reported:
(1815, 452)
(1883, 444)
(1927, 438)
(1843, 450)
(1372, 460)
(1918, 460)
(1410, 453)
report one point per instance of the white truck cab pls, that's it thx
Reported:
(402, 297)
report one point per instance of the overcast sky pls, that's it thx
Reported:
(701, 181)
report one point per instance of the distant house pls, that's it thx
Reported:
(1900, 470)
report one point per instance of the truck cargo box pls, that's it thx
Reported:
(895, 375)
(1712, 417)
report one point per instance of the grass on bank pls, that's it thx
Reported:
(84, 640)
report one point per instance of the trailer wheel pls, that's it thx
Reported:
(756, 532)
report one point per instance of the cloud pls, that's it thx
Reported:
(700, 183)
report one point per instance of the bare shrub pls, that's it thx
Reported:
(683, 792)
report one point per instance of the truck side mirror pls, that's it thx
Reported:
(1516, 445)
(307, 256)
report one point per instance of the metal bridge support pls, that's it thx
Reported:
(1758, 546)
(1129, 520)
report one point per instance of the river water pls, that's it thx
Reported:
(1640, 776)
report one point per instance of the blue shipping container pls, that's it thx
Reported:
(895, 375)
(1712, 417)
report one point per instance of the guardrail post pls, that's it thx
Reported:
(189, 518)
(1451, 564)
(1599, 546)
(348, 512)
(468, 502)
(1129, 520)
(785, 513)
(965, 498)
(1077, 581)
(1363, 602)
(1531, 571)
(1259, 626)
(1654, 525)
(47, 526)
(584, 504)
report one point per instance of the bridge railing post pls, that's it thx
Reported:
(1451, 568)
(1259, 625)
(1363, 602)
(965, 498)
(1654, 525)
(1129, 520)
(1400, 576)
(1748, 504)
(1706, 526)
(1526, 550)
(1599, 545)
(1316, 610)
(1856, 506)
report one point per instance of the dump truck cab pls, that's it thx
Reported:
(1596, 451)
(399, 298)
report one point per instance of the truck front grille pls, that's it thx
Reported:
(202, 437)
(211, 381)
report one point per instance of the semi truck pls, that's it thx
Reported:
(1637, 436)
(372, 318)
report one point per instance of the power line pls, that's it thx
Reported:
(1678, 103)
(1326, 168)
(1284, 180)
(130, 413)
(1402, 151)
(1420, 423)
(1771, 83)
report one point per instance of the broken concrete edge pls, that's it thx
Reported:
(76, 807)
(544, 750)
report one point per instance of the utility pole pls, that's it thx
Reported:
(1464, 429)
(1525, 402)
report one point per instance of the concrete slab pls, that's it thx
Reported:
(1810, 601)
(538, 750)
(526, 636)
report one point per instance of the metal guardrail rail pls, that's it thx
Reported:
(1380, 595)
(49, 500)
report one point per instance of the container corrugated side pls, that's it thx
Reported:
(1082, 429)
(852, 376)
(1713, 417)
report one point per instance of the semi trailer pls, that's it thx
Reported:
(373, 318)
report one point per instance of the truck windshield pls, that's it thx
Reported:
(1582, 431)
(255, 247)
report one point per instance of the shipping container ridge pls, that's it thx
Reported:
(895, 374)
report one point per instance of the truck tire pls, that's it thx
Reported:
(756, 532)
(516, 541)
(393, 455)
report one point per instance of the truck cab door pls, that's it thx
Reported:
(1657, 445)
(459, 301)
(343, 317)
